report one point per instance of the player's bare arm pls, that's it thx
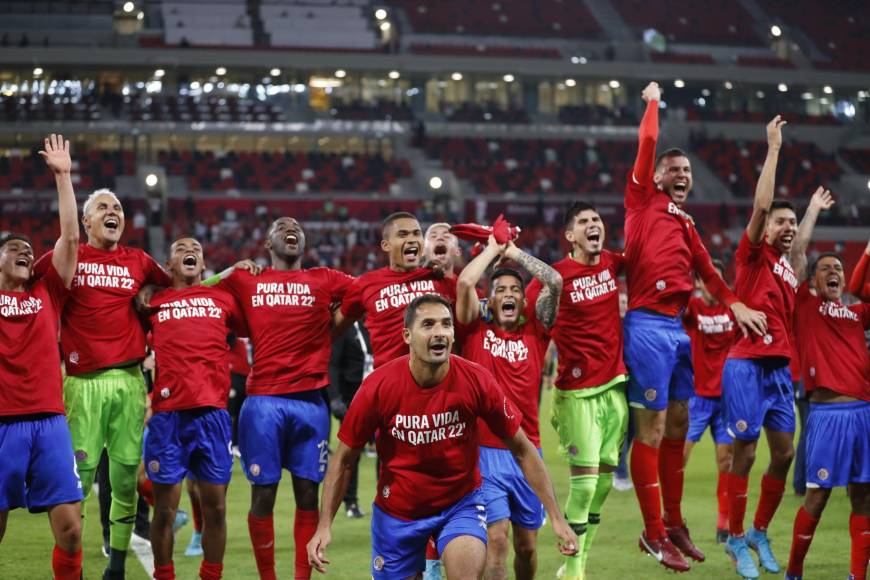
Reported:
(547, 303)
(765, 188)
(57, 157)
(821, 201)
(536, 474)
(648, 135)
(467, 303)
(334, 486)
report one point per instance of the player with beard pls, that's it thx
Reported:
(424, 409)
(284, 421)
(103, 343)
(662, 250)
(190, 429)
(711, 330)
(383, 294)
(590, 413)
(833, 353)
(511, 344)
(38, 469)
(756, 380)
(441, 249)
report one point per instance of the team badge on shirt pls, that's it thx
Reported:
(81, 455)
(378, 563)
(650, 394)
(741, 425)
(576, 372)
(154, 466)
(165, 392)
(255, 469)
(823, 474)
(386, 491)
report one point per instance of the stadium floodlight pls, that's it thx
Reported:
(38, 71)
(457, 76)
(158, 74)
(275, 72)
(340, 73)
(129, 7)
(570, 83)
(729, 85)
(151, 179)
(435, 182)
(868, 185)
(508, 78)
(381, 14)
(828, 90)
(679, 83)
(614, 84)
(807, 96)
(140, 16)
(759, 94)
(220, 71)
(775, 31)
(394, 74)
(782, 87)
(385, 26)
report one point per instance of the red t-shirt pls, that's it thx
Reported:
(588, 331)
(712, 331)
(30, 380)
(765, 282)
(289, 321)
(427, 439)
(99, 324)
(239, 357)
(662, 249)
(383, 295)
(189, 333)
(516, 360)
(831, 344)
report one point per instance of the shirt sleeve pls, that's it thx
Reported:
(339, 283)
(235, 317)
(154, 274)
(41, 265)
(352, 303)
(361, 421)
(618, 263)
(859, 285)
(496, 410)
(57, 292)
(864, 311)
(636, 194)
(704, 267)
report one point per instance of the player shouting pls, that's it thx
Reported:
(511, 344)
(424, 409)
(662, 249)
(38, 469)
(441, 248)
(190, 429)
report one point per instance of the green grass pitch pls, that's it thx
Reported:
(25, 552)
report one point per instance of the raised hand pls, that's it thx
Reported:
(652, 92)
(56, 154)
(822, 199)
(774, 132)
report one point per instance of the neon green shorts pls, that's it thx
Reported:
(106, 409)
(591, 423)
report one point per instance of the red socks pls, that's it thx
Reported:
(262, 532)
(432, 550)
(197, 515)
(859, 529)
(771, 494)
(146, 490)
(66, 566)
(165, 572)
(671, 474)
(738, 488)
(722, 497)
(210, 570)
(304, 526)
(801, 538)
(644, 474)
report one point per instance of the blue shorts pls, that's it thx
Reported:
(704, 412)
(399, 546)
(757, 393)
(658, 355)
(287, 431)
(506, 492)
(192, 440)
(38, 469)
(838, 444)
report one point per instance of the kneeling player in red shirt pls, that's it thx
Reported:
(38, 469)
(424, 408)
(191, 429)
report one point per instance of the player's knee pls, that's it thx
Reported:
(783, 456)
(497, 539)
(69, 535)
(263, 499)
(816, 500)
(525, 547)
(164, 515)
(214, 516)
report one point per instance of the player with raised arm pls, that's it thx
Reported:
(833, 353)
(441, 248)
(424, 409)
(103, 343)
(756, 381)
(38, 469)
(190, 429)
(284, 421)
(662, 250)
(511, 344)
(710, 326)
(590, 413)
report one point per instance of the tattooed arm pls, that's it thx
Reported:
(548, 300)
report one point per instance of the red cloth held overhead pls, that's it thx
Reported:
(501, 229)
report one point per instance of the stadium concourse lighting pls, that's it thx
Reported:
(158, 74)
(220, 71)
(385, 26)
(381, 14)
(129, 7)
(508, 78)
(775, 31)
(679, 83)
(782, 87)
(394, 74)
(828, 89)
(275, 72)
(435, 182)
(728, 85)
(340, 73)
(614, 84)
(457, 76)
(151, 180)
(868, 185)
(570, 83)
(37, 71)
